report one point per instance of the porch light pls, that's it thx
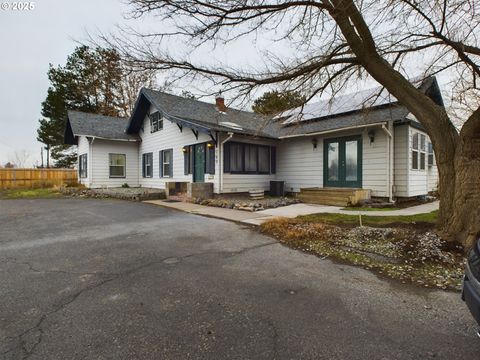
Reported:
(210, 145)
(314, 143)
(371, 135)
(184, 149)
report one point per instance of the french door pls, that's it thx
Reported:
(342, 162)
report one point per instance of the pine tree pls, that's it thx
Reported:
(274, 102)
(93, 80)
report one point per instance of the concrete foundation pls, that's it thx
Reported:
(200, 190)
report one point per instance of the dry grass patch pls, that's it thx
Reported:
(40, 193)
(403, 253)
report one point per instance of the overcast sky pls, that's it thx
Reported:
(29, 41)
(32, 39)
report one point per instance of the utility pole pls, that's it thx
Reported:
(48, 155)
(41, 154)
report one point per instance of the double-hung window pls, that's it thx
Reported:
(147, 165)
(82, 165)
(156, 121)
(166, 163)
(117, 165)
(430, 154)
(418, 151)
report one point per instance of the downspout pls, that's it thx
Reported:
(90, 162)
(220, 162)
(390, 162)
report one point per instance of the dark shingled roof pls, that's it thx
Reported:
(202, 116)
(343, 121)
(101, 126)
(195, 112)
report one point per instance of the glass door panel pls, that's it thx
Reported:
(333, 164)
(343, 162)
(351, 160)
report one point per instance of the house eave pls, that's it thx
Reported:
(334, 130)
(106, 138)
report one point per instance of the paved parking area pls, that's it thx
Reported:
(110, 279)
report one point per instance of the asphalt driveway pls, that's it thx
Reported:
(102, 279)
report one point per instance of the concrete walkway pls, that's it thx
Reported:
(290, 211)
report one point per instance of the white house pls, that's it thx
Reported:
(365, 140)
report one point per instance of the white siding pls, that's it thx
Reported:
(299, 164)
(432, 178)
(170, 138)
(410, 182)
(100, 163)
(83, 147)
(401, 160)
(375, 163)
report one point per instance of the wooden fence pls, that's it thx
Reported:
(36, 178)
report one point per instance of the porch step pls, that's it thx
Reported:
(333, 196)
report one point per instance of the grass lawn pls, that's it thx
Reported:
(380, 221)
(29, 193)
(399, 247)
(369, 209)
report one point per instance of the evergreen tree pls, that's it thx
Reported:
(274, 102)
(93, 80)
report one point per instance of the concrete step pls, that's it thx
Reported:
(333, 196)
(336, 201)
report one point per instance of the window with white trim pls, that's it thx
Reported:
(418, 151)
(117, 165)
(147, 165)
(167, 163)
(156, 122)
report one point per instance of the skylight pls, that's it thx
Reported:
(231, 125)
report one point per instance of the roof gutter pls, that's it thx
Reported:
(383, 123)
(105, 138)
(389, 156)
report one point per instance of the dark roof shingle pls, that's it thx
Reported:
(101, 126)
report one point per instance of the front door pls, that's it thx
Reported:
(199, 163)
(342, 165)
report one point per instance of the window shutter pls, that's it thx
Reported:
(186, 160)
(273, 159)
(226, 158)
(171, 162)
(190, 151)
(143, 165)
(211, 160)
(160, 161)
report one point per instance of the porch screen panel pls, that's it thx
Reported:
(351, 160)
(264, 159)
(251, 158)
(333, 165)
(236, 157)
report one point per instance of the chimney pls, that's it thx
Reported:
(220, 102)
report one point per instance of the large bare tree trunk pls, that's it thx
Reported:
(458, 155)
(459, 217)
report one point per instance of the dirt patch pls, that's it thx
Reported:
(404, 253)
